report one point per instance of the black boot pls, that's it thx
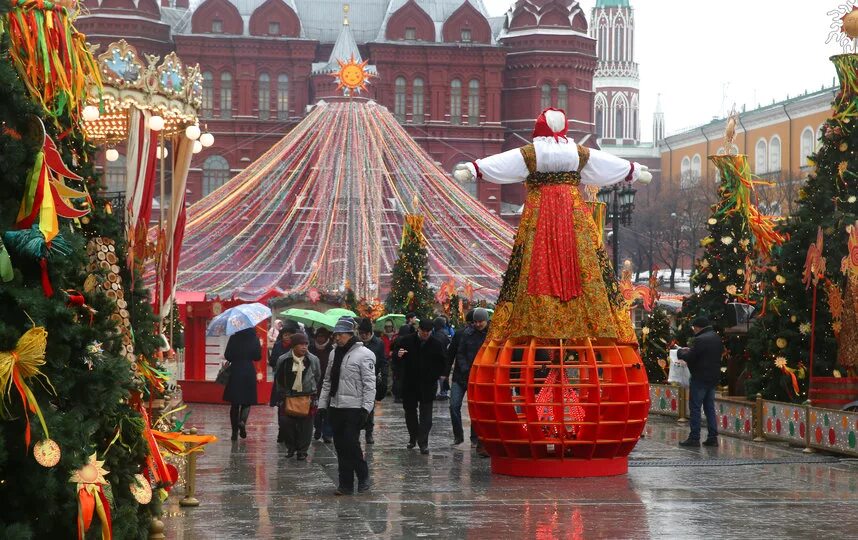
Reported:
(242, 424)
(233, 421)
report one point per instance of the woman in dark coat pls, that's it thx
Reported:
(242, 350)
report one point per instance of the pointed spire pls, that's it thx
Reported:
(344, 49)
(658, 109)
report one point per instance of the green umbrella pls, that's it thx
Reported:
(338, 312)
(396, 318)
(310, 317)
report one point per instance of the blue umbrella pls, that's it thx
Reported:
(238, 318)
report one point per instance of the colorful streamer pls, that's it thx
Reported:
(51, 56)
(16, 368)
(326, 205)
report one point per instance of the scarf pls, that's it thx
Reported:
(339, 355)
(298, 370)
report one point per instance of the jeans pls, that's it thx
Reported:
(346, 424)
(323, 426)
(443, 387)
(457, 396)
(700, 394)
(418, 428)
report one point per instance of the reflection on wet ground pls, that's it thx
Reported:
(249, 489)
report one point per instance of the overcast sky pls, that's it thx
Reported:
(704, 56)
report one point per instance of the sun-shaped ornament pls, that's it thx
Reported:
(844, 26)
(353, 76)
(91, 473)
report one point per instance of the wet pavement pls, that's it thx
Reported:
(249, 489)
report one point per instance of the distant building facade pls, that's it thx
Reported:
(462, 83)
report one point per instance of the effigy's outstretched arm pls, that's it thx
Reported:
(504, 168)
(604, 169)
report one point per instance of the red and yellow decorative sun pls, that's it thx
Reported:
(353, 75)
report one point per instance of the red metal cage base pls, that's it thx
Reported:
(571, 468)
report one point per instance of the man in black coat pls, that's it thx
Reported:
(374, 344)
(704, 364)
(421, 362)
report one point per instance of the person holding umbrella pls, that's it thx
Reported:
(242, 350)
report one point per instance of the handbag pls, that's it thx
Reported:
(297, 405)
(223, 374)
(679, 372)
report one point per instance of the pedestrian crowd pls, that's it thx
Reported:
(326, 383)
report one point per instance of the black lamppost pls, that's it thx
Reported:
(620, 202)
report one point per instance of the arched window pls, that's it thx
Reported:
(775, 154)
(685, 173)
(264, 96)
(399, 99)
(545, 97)
(215, 173)
(761, 157)
(226, 95)
(806, 146)
(456, 102)
(603, 40)
(208, 94)
(115, 174)
(562, 97)
(474, 102)
(282, 97)
(601, 105)
(634, 134)
(695, 170)
(618, 42)
(619, 122)
(417, 101)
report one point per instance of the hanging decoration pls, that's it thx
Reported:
(91, 498)
(103, 259)
(847, 338)
(141, 489)
(51, 56)
(357, 188)
(736, 172)
(17, 368)
(46, 197)
(647, 294)
(814, 270)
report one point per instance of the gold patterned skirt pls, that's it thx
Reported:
(597, 312)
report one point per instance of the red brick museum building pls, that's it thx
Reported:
(462, 83)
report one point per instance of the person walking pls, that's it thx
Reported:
(321, 346)
(704, 364)
(242, 350)
(371, 342)
(422, 362)
(298, 373)
(466, 345)
(348, 396)
(440, 333)
(282, 345)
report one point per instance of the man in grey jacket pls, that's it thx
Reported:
(348, 396)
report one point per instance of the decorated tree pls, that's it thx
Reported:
(655, 339)
(72, 441)
(725, 277)
(409, 285)
(809, 315)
